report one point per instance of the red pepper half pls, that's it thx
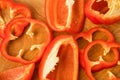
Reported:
(10, 10)
(60, 61)
(103, 11)
(65, 15)
(19, 73)
(107, 48)
(25, 43)
(91, 35)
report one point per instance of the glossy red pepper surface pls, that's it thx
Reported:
(90, 36)
(65, 15)
(89, 42)
(60, 61)
(109, 49)
(103, 11)
(25, 40)
(10, 10)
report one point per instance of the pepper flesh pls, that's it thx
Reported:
(85, 38)
(65, 15)
(101, 63)
(60, 61)
(10, 10)
(103, 11)
(25, 43)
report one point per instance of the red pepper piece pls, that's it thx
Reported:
(101, 63)
(60, 61)
(104, 33)
(19, 73)
(65, 15)
(25, 43)
(103, 11)
(91, 35)
(10, 10)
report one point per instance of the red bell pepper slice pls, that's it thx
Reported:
(25, 43)
(108, 48)
(19, 73)
(65, 15)
(91, 35)
(102, 11)
(10, 10)
(99, 33)
(60, 61)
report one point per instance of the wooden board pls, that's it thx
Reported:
(37, 8)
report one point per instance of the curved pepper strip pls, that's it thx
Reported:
(101, 63)
(60, 60)
(103, 11)
(88, 36)
(65, 15)
(10, 10)
(25, 43)
(110, 36)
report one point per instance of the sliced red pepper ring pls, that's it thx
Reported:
(105, 35)
(87, 37)
(19, 73)
(103, 11)
(65, 15)
(10, 10)
(93, 34)
(25, 43)
(107, 56)
(60, 61)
